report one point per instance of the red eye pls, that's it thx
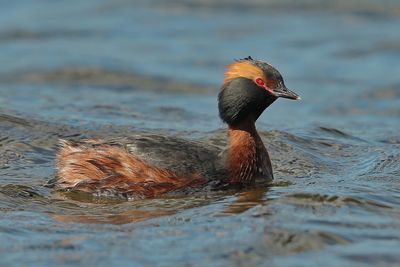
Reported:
(260, 82)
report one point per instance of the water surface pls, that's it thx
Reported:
(72, 69)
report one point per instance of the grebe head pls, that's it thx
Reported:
(250, 86)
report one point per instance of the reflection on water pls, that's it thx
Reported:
(123, 213)
(246, 200)
(107, 69)
(122, 218)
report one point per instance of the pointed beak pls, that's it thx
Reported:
(286, 93)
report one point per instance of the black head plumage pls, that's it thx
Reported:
(240, 99)
(250, 86)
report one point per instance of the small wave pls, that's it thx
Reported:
(112, 79)
(314, 153)
(18, 191)
(18, 197)
(284, 241)
(383, 93)
(385, 165)
(11, 119)
(333, 131)
(313, 199)
(362, 8)
(23, 34)
(394, 140)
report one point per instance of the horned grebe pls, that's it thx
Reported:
(144, 166)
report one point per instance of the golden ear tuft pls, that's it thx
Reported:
(243, 69)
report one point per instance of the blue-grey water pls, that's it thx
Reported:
(77, 69)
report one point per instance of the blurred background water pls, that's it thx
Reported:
(76, 69)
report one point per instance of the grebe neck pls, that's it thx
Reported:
(248, 158)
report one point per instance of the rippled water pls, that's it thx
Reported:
(76, 69)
